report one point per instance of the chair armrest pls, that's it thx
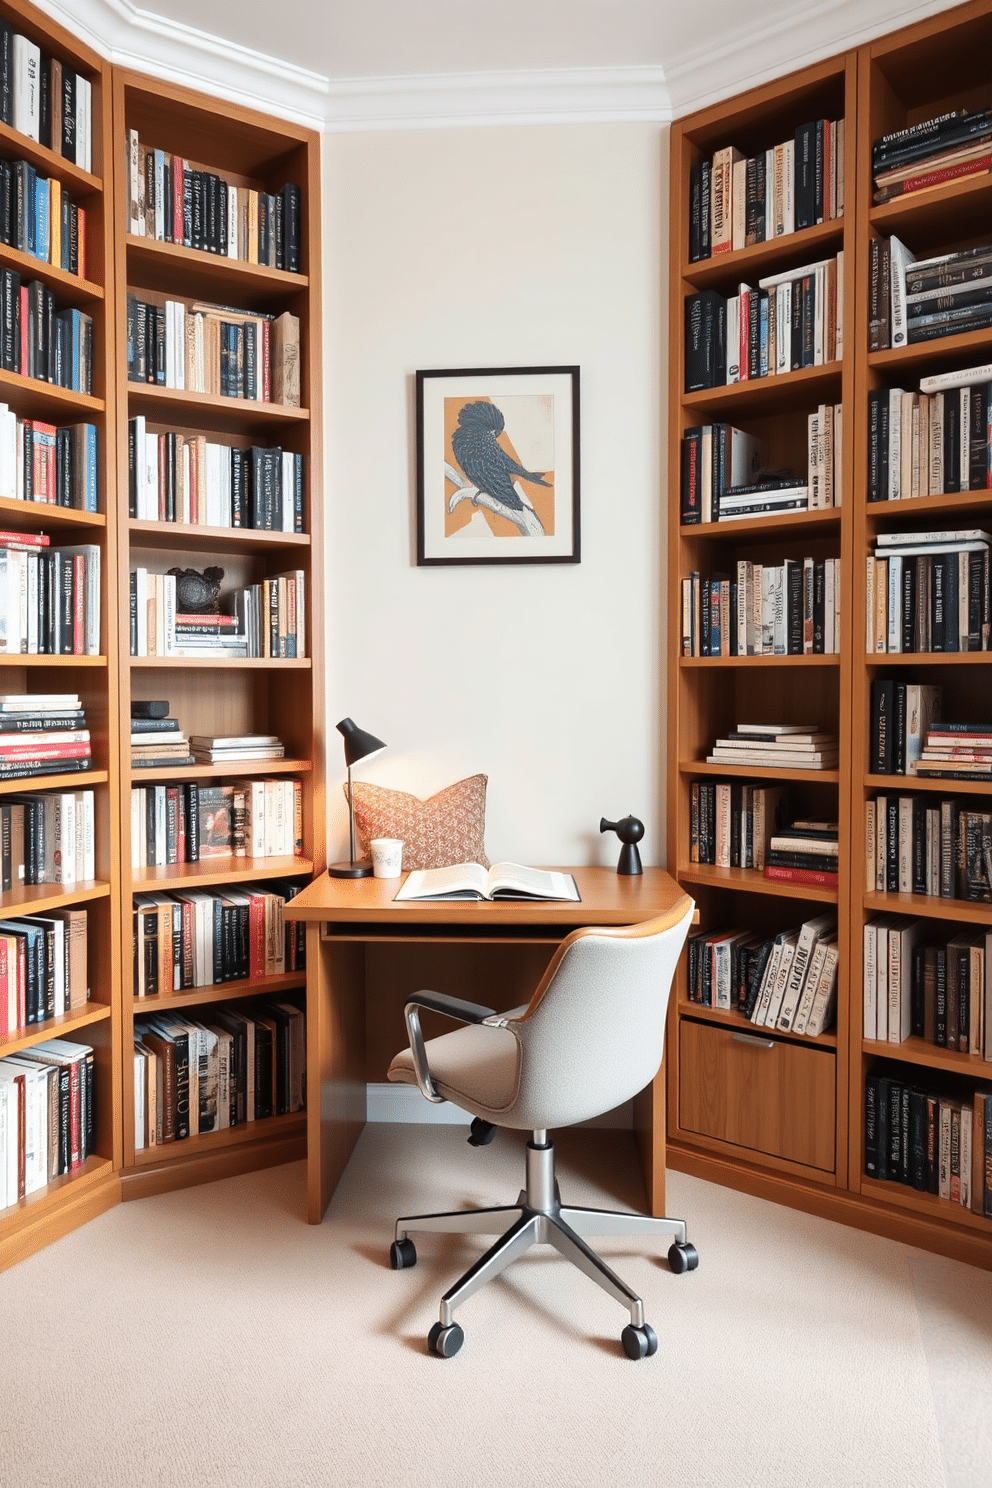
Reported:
(451, 1007)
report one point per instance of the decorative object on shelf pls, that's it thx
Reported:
(358, 746)
(498, 465)
(197, 592)
(630, 831)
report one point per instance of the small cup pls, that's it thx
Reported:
(387, 857)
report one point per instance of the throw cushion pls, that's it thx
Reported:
(449, 827)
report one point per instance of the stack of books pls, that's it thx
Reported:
(157, 741)
(912, 300)
(172, 201)
(928, 591)
(902, 714)
(928, 155)
(736, 201)
(934, 1140)
(214, 349)
(957, 751)
(933, 441)
(793, 746)
(216, 749)
(43, 734)
(806, 853)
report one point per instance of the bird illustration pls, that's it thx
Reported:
(488, 467)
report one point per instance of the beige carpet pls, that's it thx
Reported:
(213, 1338)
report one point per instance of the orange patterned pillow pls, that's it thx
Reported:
(447, 828)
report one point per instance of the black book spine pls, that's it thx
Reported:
(695, 209)
(6, 72)
(917, 993)
(872, 1126)
(796, 327)
(919, 846)
(940, 1033)
(891, 844)
(238, 513)
(181, 1041)
(908, 605)
(917, 1103)
(977, 565)
(794, 616)
(68, 114)
(882, 707)
(938, 602)
(45, 103)
(819, 606)
(192, 799)
(952, 586)
(952, 441)
(263, 1071)
(899, 735)
(804, 195)
(292, 203)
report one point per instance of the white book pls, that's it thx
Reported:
(27, 87)
(472, 881)
(733, 339)
(964, 441)
(809, 986)
(140, 1081)
(829, 607)
(789, 178)
(900, 258)
(962, 377)
(783, 327)
(769, 195)
(893, 604)
(870, 604)
(895, 443)
(777, 990)
(233, 220)
(902, 937)
(819, 310)
(149, 496)
(839, 326)
(809, 934)
(825, 997)
(135, 213)
(869, 983)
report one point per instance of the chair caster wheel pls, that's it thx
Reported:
(482, 1132)
(684, 1257)
(445, 1342)
(402, 1255)
(639, 1343)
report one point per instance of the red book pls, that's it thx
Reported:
(4, 991)
(75, 1159)
(29, 540)
(256, 935)
(178, 198)
(15, 753)
(266, 362)
(929, 179)
(814, 876)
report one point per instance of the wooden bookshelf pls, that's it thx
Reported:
(81, 1194)
(743, 1139)
(210, 695)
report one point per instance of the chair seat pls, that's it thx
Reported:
(475, 1067)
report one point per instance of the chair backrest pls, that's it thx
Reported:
(593, 1034)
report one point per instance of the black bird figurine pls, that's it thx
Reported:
(488, 467)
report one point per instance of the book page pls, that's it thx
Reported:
(511, 879)
(461, 880)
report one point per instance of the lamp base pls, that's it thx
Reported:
(349, 870)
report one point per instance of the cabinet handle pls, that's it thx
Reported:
(748, 1038)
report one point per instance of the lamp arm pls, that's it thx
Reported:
(351, 817)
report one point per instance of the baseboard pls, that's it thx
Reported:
(404, 1103)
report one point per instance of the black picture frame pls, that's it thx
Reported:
(517, 431)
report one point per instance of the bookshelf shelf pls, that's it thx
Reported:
(885, 659)
(219, 870)
(17, 146)
(927, 907)
(62, 1026)
(942, 787)
(951, 1215)
(269, 986)
(693, 662)
(759, 772)
(212, 539)
(215, 663)
(949, 503)
(918, 1051)
(54, 782)
(35, 516)
(790, 524)
(949, 351)
(221, 772)
(154, 265)
(69, 288)
(223, 415)
(752, 881)
(54, 403)
(244, 1134)
(759, 397)
(765, 258)
(726, 1019)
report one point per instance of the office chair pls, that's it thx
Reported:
(590, 1038)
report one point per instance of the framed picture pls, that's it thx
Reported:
(498, 465)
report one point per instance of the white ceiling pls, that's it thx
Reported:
(367, 64)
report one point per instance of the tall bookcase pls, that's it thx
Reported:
(213, 696)
(778, 1115)
(81, 1194)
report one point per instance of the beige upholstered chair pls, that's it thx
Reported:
(591, 1037)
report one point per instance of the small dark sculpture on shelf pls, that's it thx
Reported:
(630, 831)
(197, 593)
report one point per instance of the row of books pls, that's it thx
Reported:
(736, 200)
(47, 1115)
(911, 300)
(792, 320)
(269, 619)
(732, 822)
(43, 967)
(214, 349)
(44, 98)
(780, 746)
(932, 441)
(934, 1141)
(770, 609)
(241, 1064)
(723, 479)
(38, 341)
(174, 201)
(186, 823)
(913, 847)
(176, 477)
(203, 937)
(49, 597)
(927, 155)
(47, 837)
(901, 715)
(38, 217)
(904, 997)
(787, 981)
(50, 465)
(928, 591)
(956, 751)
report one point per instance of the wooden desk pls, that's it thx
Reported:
(349, 919)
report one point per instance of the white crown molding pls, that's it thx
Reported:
(792, 39)
(576, 95)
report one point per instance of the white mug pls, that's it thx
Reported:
(387, 857)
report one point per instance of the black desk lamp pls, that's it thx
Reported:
(358, 746)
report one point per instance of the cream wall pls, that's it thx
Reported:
(499, 247)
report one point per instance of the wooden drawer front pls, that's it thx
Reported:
(757, 1092)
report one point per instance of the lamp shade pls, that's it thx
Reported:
(358, 745)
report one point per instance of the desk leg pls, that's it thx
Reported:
(336, 1094)
(649, 1129)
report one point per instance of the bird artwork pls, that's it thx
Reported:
(489, 470)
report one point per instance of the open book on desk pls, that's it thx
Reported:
(501, 881)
